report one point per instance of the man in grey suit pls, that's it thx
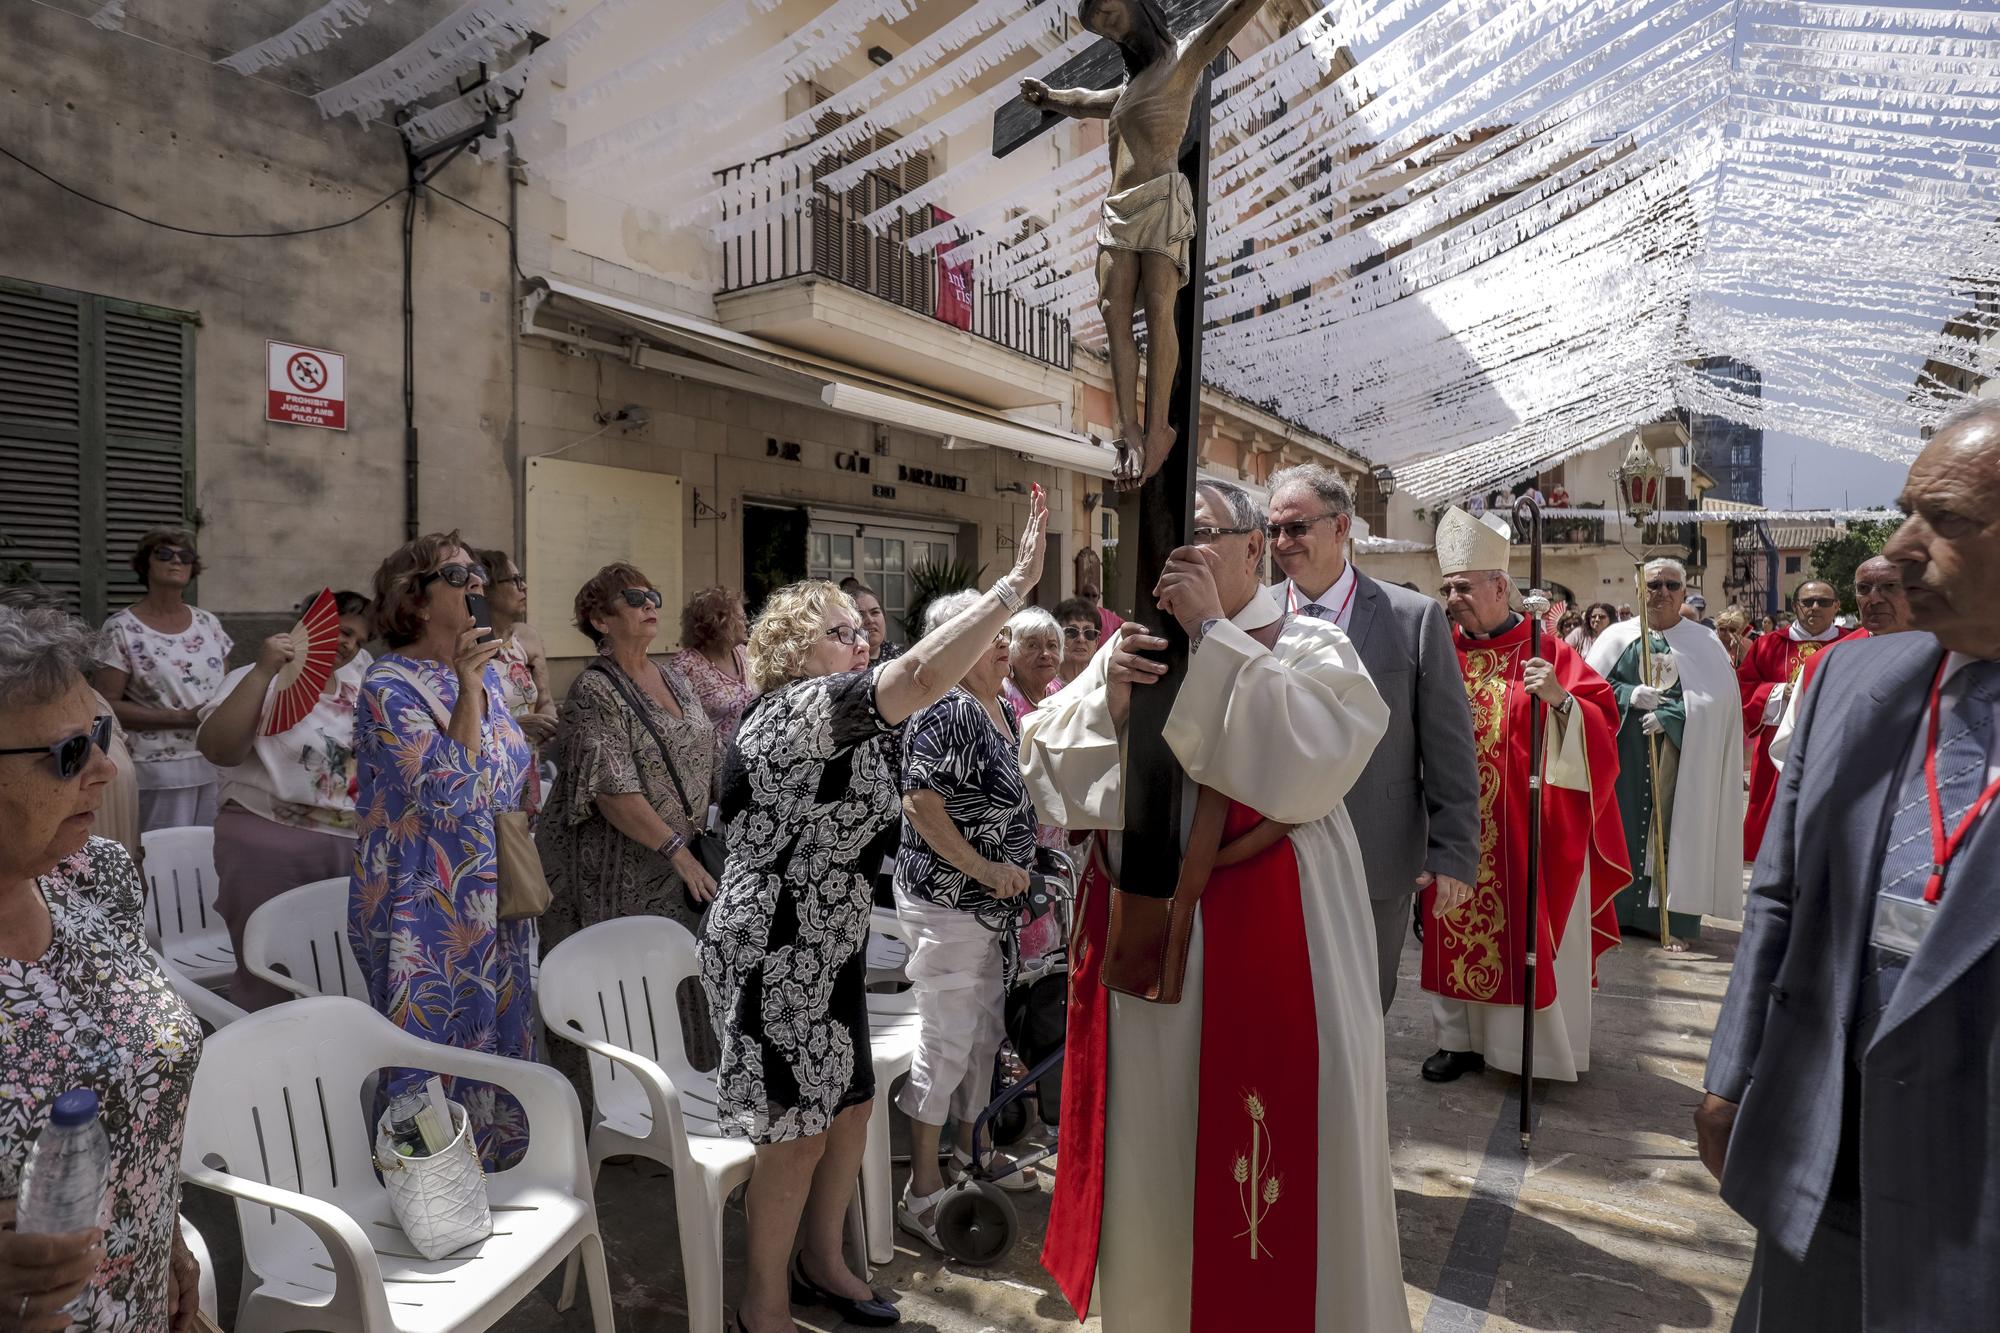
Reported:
(1416, 807)
(1850, 1113)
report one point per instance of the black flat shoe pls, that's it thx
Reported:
(1448, 1065)
(875, 1313)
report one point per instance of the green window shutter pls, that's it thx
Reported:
(148, 436)
(42, 392)
(96, 437)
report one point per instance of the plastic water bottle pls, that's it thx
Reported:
(63, 1180)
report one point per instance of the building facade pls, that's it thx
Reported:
(528, 354)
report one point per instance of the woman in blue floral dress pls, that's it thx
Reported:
(438, 757)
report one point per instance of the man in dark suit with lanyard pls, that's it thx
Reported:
(1416, 807)
(1850, 1109)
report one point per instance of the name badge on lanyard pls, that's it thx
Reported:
(1902, 923)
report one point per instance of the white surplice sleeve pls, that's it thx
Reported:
(1285, 733)
(1071, 754)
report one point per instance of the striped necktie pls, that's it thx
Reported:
(1964, 742)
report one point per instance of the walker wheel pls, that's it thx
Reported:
(977, 1223)
(1009, 1124)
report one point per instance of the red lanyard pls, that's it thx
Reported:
(1944, 848)
(1292, 600)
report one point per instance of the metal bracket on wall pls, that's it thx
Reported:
(703, 509)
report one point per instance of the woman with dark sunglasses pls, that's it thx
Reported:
(83, 1004)
(1083, 632)
(437, 760)
(160, 662)
(635, 762)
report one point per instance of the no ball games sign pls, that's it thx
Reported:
(305, 386)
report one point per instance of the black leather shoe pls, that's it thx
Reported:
(1448, 1065)
(876, 1313)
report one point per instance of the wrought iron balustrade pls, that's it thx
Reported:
(808, 229)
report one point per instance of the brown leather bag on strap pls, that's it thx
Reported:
(1146, 944)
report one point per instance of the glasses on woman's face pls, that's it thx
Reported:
(1088, 634)
(454, 576)
(638, 597)
(174, 555)
(847, 634)
(518, 580)
(71, 753)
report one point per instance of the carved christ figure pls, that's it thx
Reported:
(1149, 216)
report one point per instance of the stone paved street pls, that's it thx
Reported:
(1612, 1227)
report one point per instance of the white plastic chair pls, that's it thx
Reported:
(297, 941)
(613, 989)
(180, 903)
(888, 949)
(277, 1122)
(209, 1007)
(205, 1297)
(892, 1039)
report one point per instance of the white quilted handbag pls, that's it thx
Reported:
(440, 1200)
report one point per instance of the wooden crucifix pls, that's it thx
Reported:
(1153, 87)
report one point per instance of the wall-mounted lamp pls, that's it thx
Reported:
(1385, 480)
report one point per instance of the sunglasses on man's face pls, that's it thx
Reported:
(1662, 585)
(1294, 531)
(455, 576)
(1817, 603)
(1075, 632)
(71, 753)
(173, 555)
(637, 597)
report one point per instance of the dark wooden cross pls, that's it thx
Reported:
(1155, 520)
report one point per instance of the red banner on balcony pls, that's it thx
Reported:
(954, 302)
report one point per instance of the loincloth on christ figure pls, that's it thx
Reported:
(1157, 218)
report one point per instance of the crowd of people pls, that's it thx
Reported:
(1355, 753)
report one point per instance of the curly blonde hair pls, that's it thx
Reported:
(789, 627)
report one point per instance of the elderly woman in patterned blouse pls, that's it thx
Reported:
(968, 842)
(83, 1003)
(810, 794)
(438, 759)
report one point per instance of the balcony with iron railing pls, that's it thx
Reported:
(823, 236)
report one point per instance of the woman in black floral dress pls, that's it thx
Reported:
(810, 796)
(83, 1004)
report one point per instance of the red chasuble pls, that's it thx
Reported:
(1478, 952)
(1774, 659)
(1256, 1233)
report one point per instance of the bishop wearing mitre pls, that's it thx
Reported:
(1475, 948)
(1225, 1157)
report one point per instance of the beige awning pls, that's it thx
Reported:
(696, 349)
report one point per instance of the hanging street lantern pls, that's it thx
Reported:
(1640, 479)
(1385, 480)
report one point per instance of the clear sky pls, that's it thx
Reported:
(1811, 475)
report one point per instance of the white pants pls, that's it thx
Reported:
(177, 807)
(955, 973)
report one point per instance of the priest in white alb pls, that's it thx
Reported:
(1225, 1158)
(1680, 718)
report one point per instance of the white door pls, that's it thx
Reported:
(881, 557)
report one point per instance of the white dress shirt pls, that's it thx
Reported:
(1337, 602)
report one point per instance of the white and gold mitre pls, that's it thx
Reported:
(1466, 543)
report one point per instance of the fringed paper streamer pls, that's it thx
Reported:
(478, 32)
(315, 32)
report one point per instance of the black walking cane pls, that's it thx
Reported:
(1528, 514)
